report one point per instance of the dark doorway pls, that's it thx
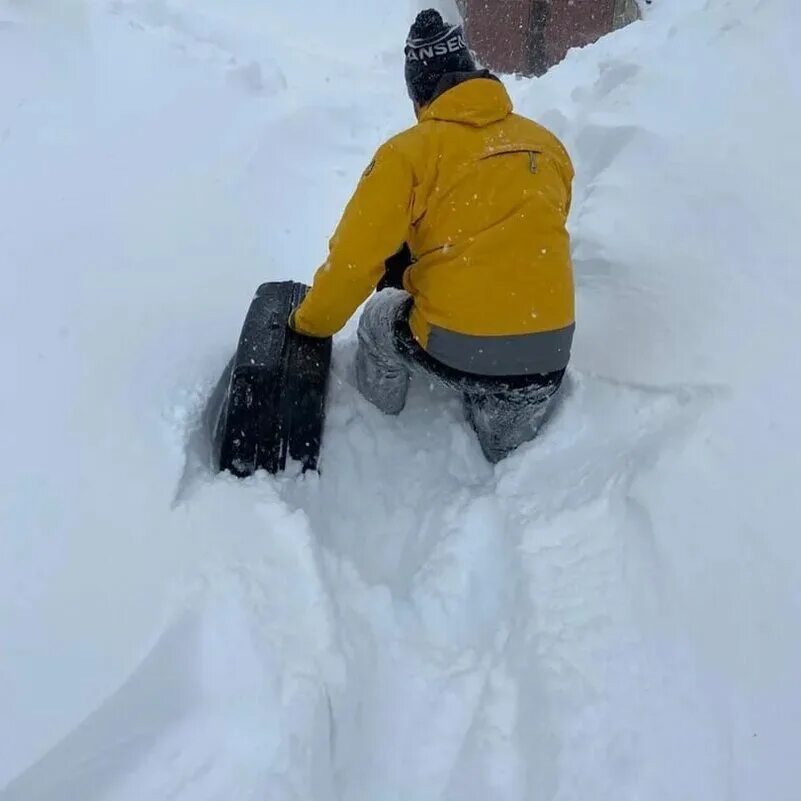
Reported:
(540, 14)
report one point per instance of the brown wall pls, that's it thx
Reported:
(497, 31)
(575, 24)
(528, 36)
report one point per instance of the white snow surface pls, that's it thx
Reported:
(612, 613)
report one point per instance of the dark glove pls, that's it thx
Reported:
(394, 268)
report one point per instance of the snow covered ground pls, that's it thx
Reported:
(612, 613)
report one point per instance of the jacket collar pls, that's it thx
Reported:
(471, 98)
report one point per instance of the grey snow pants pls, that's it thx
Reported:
(504, 413)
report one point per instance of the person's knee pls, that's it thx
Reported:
(381, 381)
(503, 424)
(376, 328)
(382, 376)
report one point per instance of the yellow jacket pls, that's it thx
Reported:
(481, 195)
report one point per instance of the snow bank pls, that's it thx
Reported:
(687, 260)
(611, 613)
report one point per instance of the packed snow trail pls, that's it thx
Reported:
(611, 613)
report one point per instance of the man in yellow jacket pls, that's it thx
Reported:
(479, 197)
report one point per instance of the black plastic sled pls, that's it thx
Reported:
(270, 402)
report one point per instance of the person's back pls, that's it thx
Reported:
(480, 196)
(493, 271)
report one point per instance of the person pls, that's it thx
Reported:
(477, 198)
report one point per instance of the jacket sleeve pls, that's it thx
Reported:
(374, 226)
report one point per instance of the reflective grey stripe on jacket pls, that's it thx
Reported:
(519, 354)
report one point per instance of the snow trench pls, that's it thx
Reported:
(609, 613)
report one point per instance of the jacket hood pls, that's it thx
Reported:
(476, 100)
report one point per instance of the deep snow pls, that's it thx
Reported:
(611, 613)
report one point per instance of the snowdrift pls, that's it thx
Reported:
(611, 613)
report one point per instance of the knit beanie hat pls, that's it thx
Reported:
(434, 49)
